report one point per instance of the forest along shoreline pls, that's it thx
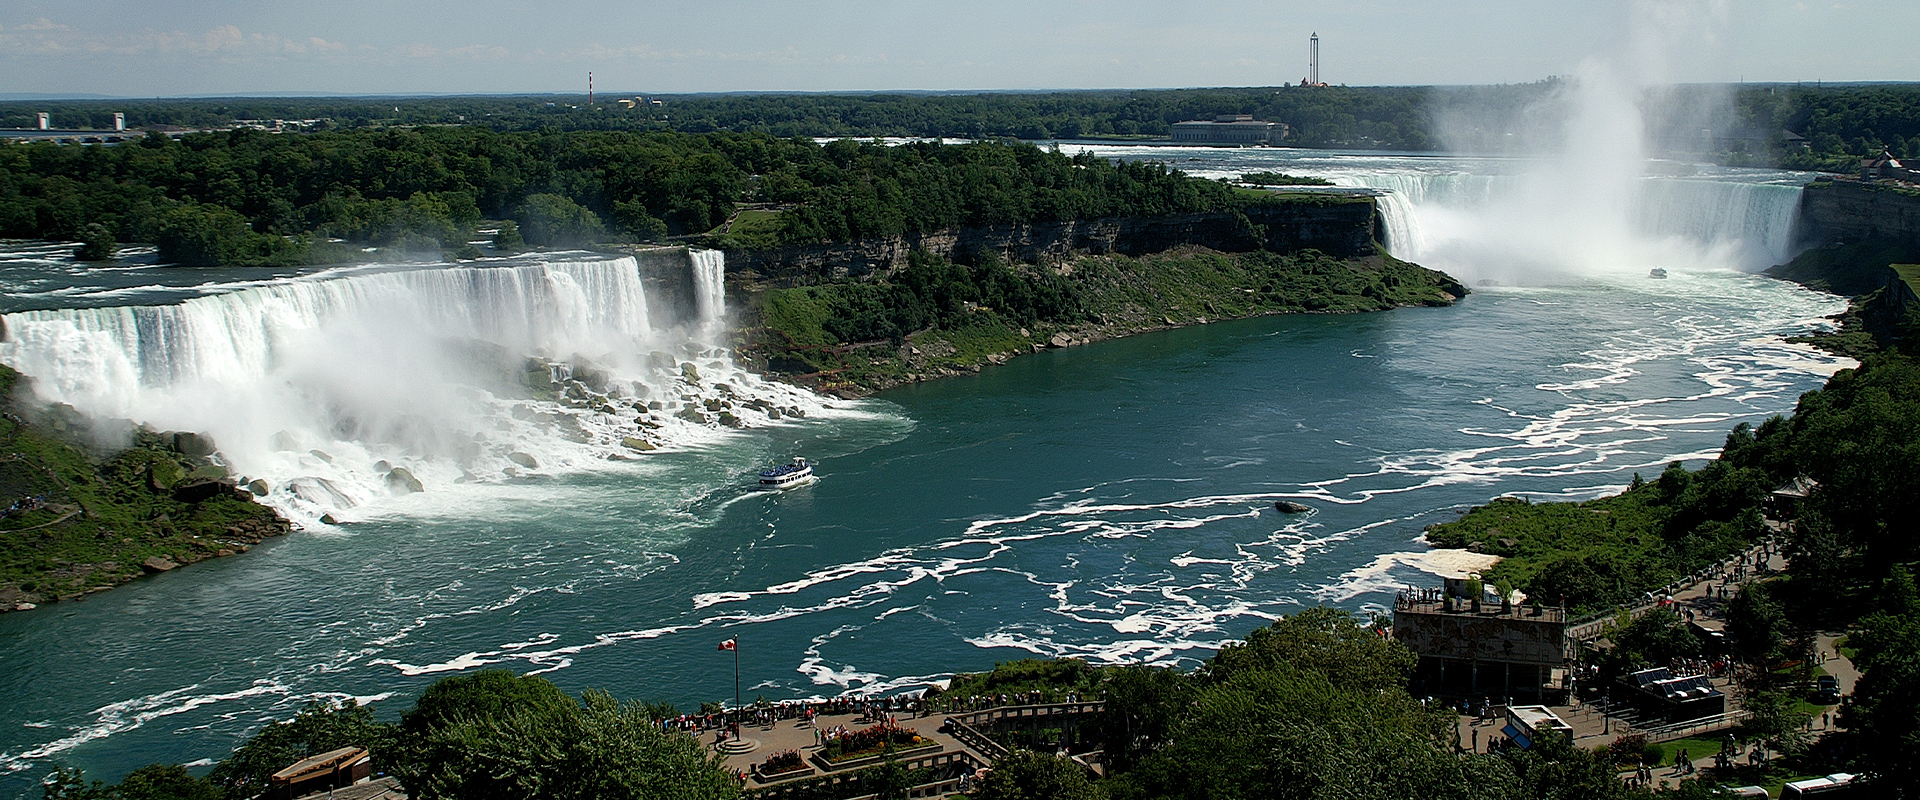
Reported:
(854, 318)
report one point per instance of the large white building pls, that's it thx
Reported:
(1240, 129)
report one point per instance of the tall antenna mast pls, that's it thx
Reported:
(1313, 62)
(589, 88)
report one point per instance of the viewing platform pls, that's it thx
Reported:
(962, 742)
(1471, 647)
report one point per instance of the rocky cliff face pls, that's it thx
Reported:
(1849, 211)
(1341, 227)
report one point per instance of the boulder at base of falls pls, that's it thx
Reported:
(192, 444)
(728, 419)
(400, 480)
(1060, 340)
(690, 373)
(194, 491)
(258, 487)
(641, 445)
(523, 459)
(1290, 507)
(155, 564)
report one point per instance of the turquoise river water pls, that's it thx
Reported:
(1111, 502)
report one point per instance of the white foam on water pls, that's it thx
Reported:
(130, 714)
(323, 384)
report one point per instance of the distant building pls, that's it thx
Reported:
(1238, 129)
(1886, 167)
(1469, 647)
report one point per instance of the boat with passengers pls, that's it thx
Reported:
(785, 475)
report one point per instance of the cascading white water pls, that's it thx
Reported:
(324, 385)
(1729, 221)
(709, 286)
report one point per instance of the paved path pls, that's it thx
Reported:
(796, 734)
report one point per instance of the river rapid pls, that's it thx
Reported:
(1111, 502)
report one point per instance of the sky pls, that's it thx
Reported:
(149, 48)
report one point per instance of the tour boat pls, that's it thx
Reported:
(1657, 272)
(787, 474)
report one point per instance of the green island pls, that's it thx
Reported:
(937, 318)
(88, 516)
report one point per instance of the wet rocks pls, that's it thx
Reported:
(196, 490)
(400, 480)
(523, 459)
(193, 444)
(1290, 507)
(157, 564)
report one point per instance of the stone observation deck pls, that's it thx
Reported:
(962, 742)
(1471, 647)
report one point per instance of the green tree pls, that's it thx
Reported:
(68, 783)
(96, 243)
(1656, 638)
(1883, 721)
(487, 694)
(165, 782)
(597, 750)
(1554, 769)
(1283, 731)
(1027, 775)
(553, 220)
(1142, 705)
(1757, 622)
(1326, 640)
(318, 728)
(507, 239)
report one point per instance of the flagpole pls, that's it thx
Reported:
(736, 676)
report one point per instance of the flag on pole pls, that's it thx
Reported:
(727, 645)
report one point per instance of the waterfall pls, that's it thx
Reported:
(324, 384)
(709, 285)
(1472, 225)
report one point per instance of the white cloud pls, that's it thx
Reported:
(225, 42)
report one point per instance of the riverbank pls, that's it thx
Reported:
(80, 520)
(797, 333)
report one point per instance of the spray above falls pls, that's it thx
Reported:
(1592, 173)
(346, 388)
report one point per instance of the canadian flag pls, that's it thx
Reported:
(728, 645)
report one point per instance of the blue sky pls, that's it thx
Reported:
(170, 47)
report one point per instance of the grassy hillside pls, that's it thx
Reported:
(75, 521)
(937, 318)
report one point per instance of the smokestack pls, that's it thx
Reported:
(119, 121)
(1313, 61)
(589, 88)
(46, 120)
